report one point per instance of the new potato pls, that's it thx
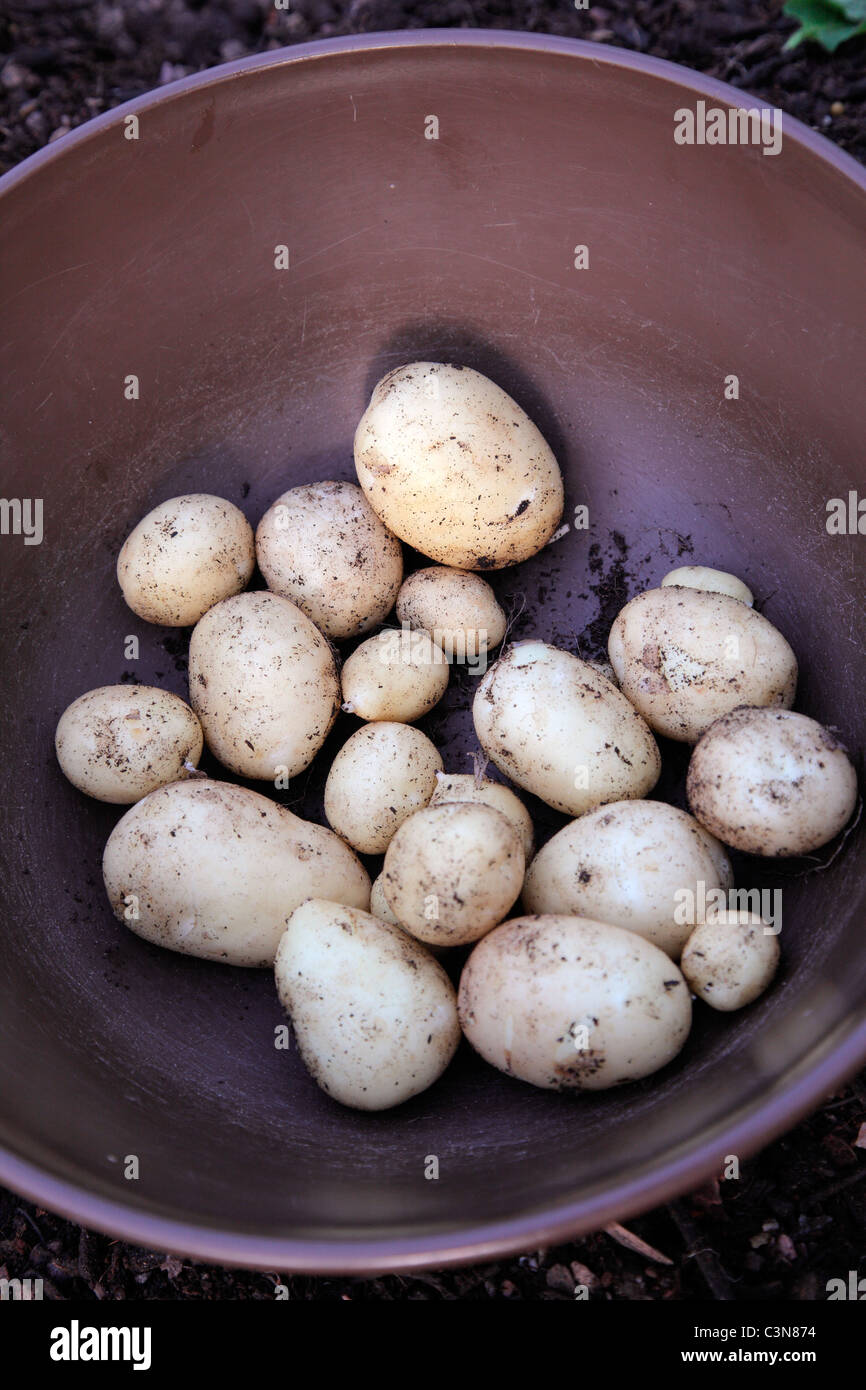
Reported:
(730, 960)
(380, 776)
(119, 742)
(458, 609)
(715, 581)
(465, 786)
(395, 675)
(214, 870)
(454, 467)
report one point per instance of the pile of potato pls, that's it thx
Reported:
(592, 987)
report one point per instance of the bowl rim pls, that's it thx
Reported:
(760, 1120)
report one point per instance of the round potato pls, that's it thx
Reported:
(562, 731)
(323, 546)
(459, 786)
(214, 870)
(380, 776)
(374, 1015)
(183, 557)
(714, 581)
(119, 742)
(454, 467)
(458, 609)
(684, 657)
(452, 872)
(771, 782)
(731, 959)
(571, 1004)
(641, 865)
(395, 675)
(263, 682)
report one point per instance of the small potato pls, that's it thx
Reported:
(263, 682)
(183, 557)
(571, 1004)
(456, 607)
(454, 467)
(452, 872)
(323, 546)
(714, 581)
(374, 1015)
(214, 870)
(560, 730)
(771, 782)
(380, 776)
(119, 742)
(397, 676)
(684, 657)
(729, 960)
(635, 864)
(379, 903)
(459, 786)
(605, 669)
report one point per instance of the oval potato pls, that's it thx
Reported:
(119, 742)
(731, 959)
(458, 609)
(715, 581)
(465, 786)
(380, 776)
(398, 676)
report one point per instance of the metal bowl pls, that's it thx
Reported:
(154, 257)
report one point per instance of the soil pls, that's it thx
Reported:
(797, 1215)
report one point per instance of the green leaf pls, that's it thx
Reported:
(827, 22)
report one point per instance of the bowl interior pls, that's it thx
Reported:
(155, 257)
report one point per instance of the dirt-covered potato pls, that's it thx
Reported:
(396, 675)
(119, 742)
(571, 1004)
(684, 657)
(454, 467)
(562, 731)
(458, 609)
(374, 1015)
(323, 546)
(263, 682)
(215, 870)
(452, 872)
(460, 786)
(731, 959)
(379, 903)
(714, 581)
(380, 776)
(635, 864)
(183, 557)
(771, 782)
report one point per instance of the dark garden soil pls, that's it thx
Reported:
(797, 1216)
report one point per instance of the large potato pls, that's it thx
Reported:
(635, 864)
(454, 467)
(570, 1004)
(458, 609)
(263, 682)
(771, 782)
(380, 776)
(684, 657)
(374, 1015)
(183, 557)
(452, 872)
(561, 730)
(465, 786)
(395, 675)
(323, 546)
(731, 959)
(215, 870)
(120, 742)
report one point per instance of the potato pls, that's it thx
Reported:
(395, 675)
(374, 1015)
(454, 467)
(684, 657)
(215, 870)
(452, 872)
(379, 903)
(459, 786)
(380, 776)
(730, 960)
(771, 782)
(323, 546)
(263, 682)
(634, 864)
(456, 607)
(183, 557)
(560, 730)
(119, 742)
(714, 581)
(571, 1004)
